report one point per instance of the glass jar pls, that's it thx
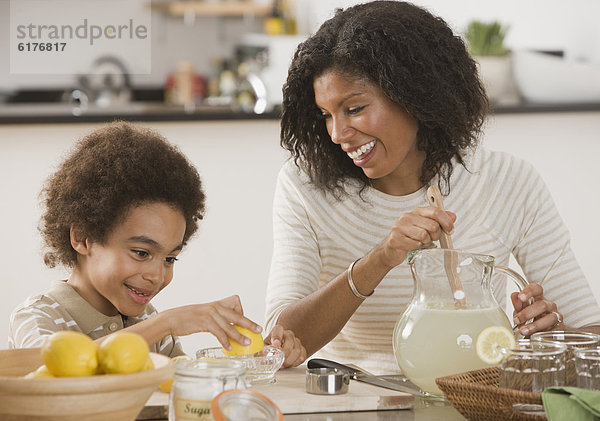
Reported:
(244, 405)
(197, 382)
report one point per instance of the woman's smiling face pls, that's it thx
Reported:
(379, 135)
(122, 274)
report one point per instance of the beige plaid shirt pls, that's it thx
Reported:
(62, 308)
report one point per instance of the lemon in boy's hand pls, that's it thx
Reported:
(123, 352)
(255, 346)
(491, 340)
(166, 385)
(69, 353)
(40, 373)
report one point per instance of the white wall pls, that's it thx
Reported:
(533, 24)
(238, 162)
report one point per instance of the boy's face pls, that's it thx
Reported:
(134, 263)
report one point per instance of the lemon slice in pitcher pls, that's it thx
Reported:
(491, 340)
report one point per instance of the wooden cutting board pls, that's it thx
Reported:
(288, 392)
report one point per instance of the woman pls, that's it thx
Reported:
(383, 101)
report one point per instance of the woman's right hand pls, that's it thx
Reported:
(215, 317)
(413, 230)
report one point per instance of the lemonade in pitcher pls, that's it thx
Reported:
(452, 304)
(443, 342)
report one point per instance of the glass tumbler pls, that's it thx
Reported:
(532, 366)
(587, 364)
(573, 340)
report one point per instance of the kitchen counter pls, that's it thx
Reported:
(34, 113)
(528, 107)
(143, 104)
(58, 112)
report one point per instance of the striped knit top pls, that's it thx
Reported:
(502, 205)
(62, 308)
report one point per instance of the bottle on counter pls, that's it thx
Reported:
(289, 17)
(227, 80)
(282, 19)
(275, 23)
(184, 87)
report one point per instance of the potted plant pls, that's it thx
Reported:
(486, 44)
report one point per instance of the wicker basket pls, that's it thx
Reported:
(476, 395)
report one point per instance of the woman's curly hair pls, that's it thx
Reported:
(110, 171)
(415, 59)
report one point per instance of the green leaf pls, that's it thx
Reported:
(486, 39)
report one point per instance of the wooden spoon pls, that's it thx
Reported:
(434, 196)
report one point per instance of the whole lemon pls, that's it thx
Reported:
(40, 373)
(149, 364)
(68, 353)
(166, 385)
(123, 352)
(237, 349)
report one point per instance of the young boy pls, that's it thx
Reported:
(118, 211)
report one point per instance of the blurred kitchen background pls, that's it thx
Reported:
(215, 91)
(218, 56)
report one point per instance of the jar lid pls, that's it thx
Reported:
(238, 404)
(210, 368)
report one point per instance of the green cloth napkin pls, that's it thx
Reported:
(571, 403)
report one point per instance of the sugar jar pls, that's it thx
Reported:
(197, 382)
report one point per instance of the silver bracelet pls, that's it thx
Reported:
(351, 283)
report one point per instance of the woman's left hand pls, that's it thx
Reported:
(544, 312)
(284, 339)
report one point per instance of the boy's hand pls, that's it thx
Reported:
(295, 353)
(216, 318)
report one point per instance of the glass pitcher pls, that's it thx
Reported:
(437, 333)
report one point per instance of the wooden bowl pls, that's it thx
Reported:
(114, 397)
